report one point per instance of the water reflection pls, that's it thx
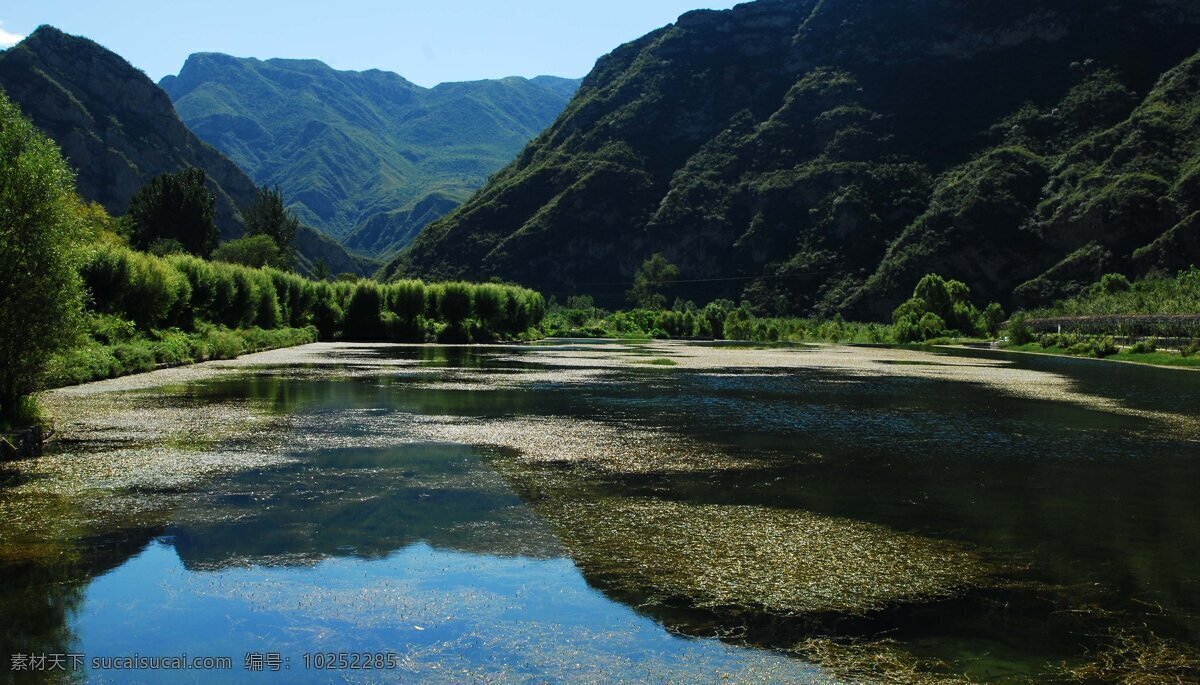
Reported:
(1080, 519)
(365, 503)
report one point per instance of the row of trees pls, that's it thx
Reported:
(180, 290)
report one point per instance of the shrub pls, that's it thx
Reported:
(1143, 347)
(363, 319)
(255, 251)
(1019, 332)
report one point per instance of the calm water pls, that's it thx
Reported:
(566, 512)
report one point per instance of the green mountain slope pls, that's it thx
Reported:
(365, 156)
(821, 155)
(118, 130)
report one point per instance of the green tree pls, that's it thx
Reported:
(321, 270)
(41, 295)
(937, 308)
(175, 207)
(654, 276)
(364, 313)
(993, 318)
(253, 251)
(267, 216)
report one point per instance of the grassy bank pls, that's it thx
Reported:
(112, 355)
(1156, 358)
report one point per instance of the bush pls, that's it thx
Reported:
(1111, 284)
(364, 313)
(254, 251)
(1143, 347)
(1019, 332)
(940, 309)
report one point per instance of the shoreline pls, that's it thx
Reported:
(1113, 359)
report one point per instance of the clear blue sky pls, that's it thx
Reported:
(426, 41)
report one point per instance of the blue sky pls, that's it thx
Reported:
(426, 41)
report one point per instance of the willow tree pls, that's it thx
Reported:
(41, 295)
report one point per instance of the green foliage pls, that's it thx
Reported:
(1155, 294)
(176, 207)
(1098, 347)
(992, 319)
(1143, 347)
(321, 270)
(41, 294)
(718, 320)
(364, 313)
(253, 251)
(267, 216)
(654, 276)
(1019, 332)
(942, 309)
(135, 285)
(186, 291)
(401, 155)
(142, 352)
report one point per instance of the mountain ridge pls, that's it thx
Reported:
(118, 130)
(362, 155)
(781, 151)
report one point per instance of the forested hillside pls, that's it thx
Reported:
(367, 157)
(820, 157)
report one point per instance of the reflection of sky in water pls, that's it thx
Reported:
(449, 616)
(314, 527)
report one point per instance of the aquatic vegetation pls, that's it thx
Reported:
(778, 561)
(878, 662)
(1138, 658)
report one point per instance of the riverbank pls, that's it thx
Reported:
(166, 349)
(1167, 359)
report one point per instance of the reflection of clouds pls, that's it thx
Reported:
(524, 616)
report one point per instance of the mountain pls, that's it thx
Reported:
(367, 157)
(118, 130)
(821, 155)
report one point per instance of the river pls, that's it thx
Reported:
(617, 512)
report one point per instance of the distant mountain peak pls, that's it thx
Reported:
(118, 129)
(360, 153)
